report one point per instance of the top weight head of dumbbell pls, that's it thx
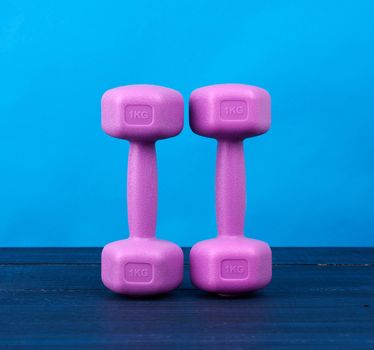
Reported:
(230, 111)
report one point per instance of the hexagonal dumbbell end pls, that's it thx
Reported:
(231, 263)
(142, 112)
(230, 111)
(142, 264)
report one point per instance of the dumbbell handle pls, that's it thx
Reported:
(230, 188)
(142, 189)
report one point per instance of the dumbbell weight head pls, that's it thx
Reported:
(230, 111)
(143, 113)
(142, 266)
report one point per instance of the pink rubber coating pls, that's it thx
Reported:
(142, 189)
(230, 188)
(230, 111)
(231, 263)
(142, 112)
(142, 265)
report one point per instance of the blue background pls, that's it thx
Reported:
(310, 179)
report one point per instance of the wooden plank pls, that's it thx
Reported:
(290, 255)
(295, 315)
(323, 255)
(50, 255)
(59, 302)
(87, 277)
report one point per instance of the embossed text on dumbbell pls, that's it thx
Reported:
(233, 110)
(138, 114)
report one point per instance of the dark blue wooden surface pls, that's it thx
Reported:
(52, 298)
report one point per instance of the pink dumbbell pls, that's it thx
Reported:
(142, 264)
(230, 263)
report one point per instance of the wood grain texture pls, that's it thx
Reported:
(291, 255)
(53, 298)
